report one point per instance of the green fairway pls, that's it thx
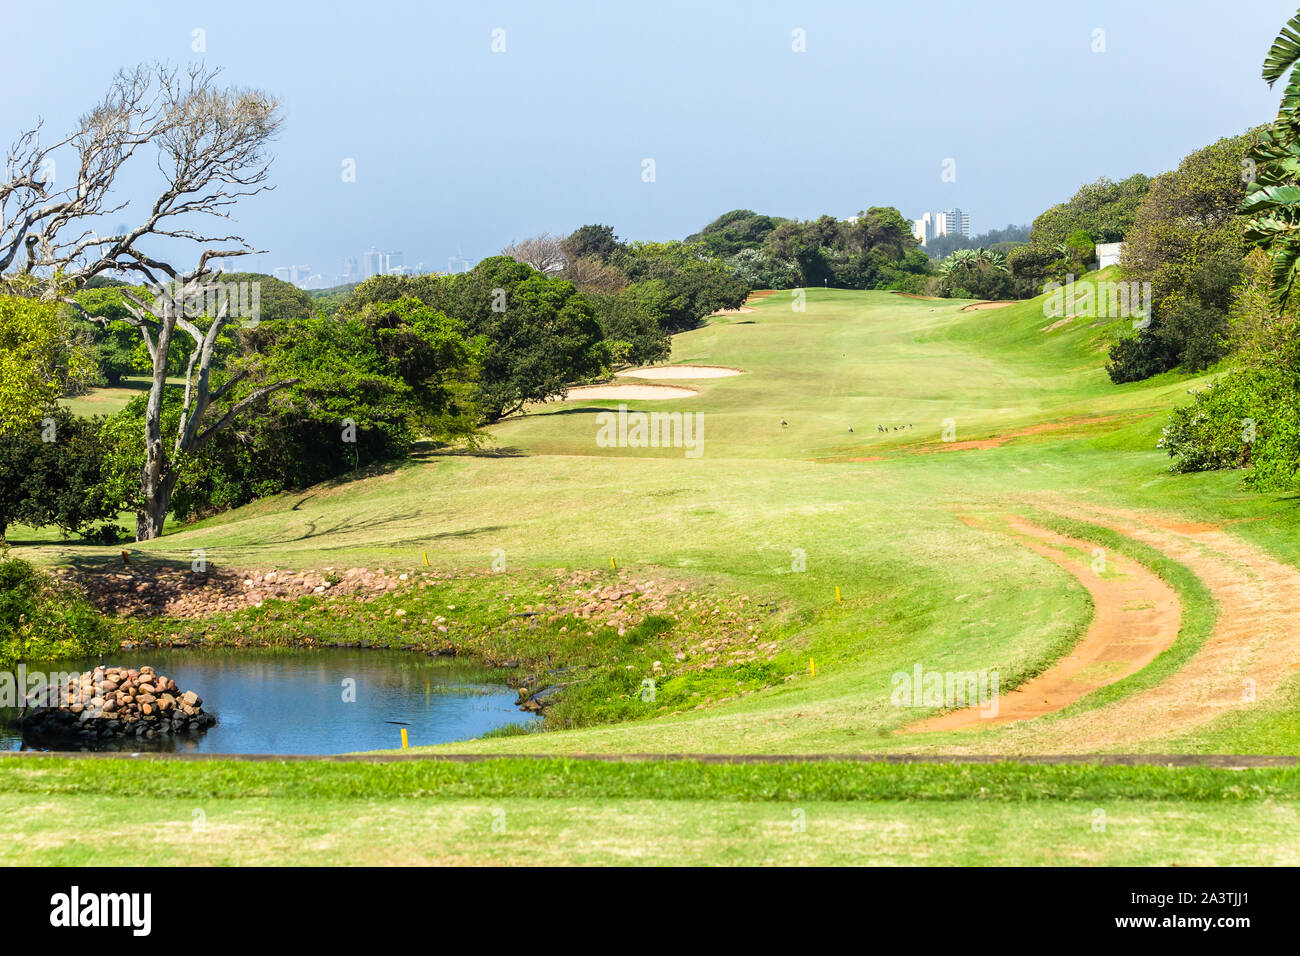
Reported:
(959, 419)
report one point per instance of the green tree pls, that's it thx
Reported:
(1188, 242)
(735, 231)
(1104, 209)
(539, 334)
(52, 474)
(40, 359)
(591, 242)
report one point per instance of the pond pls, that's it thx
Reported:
(323, 701)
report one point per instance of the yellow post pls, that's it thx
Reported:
(837, 594)
(426, 558)
(404, 744)
(612, 564)
(812, 671)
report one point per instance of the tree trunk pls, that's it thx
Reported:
(155, 484)
(149, 520)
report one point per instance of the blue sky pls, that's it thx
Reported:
(458, 148)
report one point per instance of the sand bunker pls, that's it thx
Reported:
(681, 371)
(981, 306)
(622, 392)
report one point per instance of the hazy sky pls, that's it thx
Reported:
(460, 148)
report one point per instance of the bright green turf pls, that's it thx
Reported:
(562, 812)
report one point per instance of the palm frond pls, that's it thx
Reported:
(1284, 52)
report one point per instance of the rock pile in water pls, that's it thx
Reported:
(114, 701)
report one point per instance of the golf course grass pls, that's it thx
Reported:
(854, 513)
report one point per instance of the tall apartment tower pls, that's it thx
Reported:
(952, 222)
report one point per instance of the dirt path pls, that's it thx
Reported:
(1136, 616)
(1253, 647)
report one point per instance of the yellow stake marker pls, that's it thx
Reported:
(812, 671)
(837, 593)
(404, 738)
(426, 558)
(612, 564)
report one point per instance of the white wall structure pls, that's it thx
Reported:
(923, 228)
(1108, 254)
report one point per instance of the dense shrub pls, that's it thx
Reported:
(42, 618)
(1138, 355)
(52, 473)
(1248, 417)
(1251, 415)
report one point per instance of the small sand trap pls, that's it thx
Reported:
(681, 371)
(629, 392)
(981, 306)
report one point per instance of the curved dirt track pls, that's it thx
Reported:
(1253, 647)
(1136, 616)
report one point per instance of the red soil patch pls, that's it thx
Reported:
(1252, 650)
(1137, 615)
(1018, 433)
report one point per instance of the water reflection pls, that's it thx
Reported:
(316, 701)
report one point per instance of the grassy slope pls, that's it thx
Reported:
(918, 584)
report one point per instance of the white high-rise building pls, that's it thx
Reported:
(923, 228)
(952, 222)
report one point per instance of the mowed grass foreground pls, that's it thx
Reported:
(857, 491)
(558, 811)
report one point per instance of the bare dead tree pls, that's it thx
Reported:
(212, 151)
(544, 253)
